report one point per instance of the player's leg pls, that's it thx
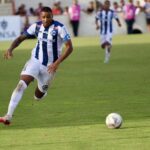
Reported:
(107, 46)
(107, 52)
(39, 94)
(148, 25)
(16, 97)
(103, 40)
(44, 82)
(28, 74)
(18, 92)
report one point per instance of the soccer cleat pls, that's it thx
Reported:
(5, 120)
(38, 99)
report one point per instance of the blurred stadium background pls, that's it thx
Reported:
(72, 116)
(9, 7)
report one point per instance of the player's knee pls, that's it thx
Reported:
(44, 88)
(39, 97)
(103, 46)
(21, 86)
(40, 92)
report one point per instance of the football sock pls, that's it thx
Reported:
(16, 97)
(107, 54)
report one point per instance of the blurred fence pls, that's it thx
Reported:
(86, 28)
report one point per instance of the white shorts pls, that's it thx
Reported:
(35, 69)
(106, 38)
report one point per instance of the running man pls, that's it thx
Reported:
(105, 17)
(45, 59)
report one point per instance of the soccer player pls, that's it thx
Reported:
(45, 59)
(105, 17)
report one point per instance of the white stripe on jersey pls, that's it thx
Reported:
(50, 40)
(105, 18)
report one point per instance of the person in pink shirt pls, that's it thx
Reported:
(129, 16)
(147, 13)
(74, 14)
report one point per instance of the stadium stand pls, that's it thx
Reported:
(7, 7)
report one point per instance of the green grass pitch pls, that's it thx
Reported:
(85, 90)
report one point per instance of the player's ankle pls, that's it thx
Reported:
(8, 117)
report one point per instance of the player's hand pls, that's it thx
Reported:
(119, 24)
(97, 27)
(52, 68)
(8, 55)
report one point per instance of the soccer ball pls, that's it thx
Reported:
(114, 121)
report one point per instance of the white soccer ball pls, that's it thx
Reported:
(114, 121)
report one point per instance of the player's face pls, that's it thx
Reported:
(107, 5)
(46, 18)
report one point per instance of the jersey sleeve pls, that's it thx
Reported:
(115, 15)
(97, 16)
(30, 31)
(64, 34)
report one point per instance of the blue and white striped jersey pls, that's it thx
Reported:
(106, 21)
(50, 41)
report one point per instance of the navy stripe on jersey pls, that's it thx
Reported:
(105, 18)
(38, 25)
(37, 50)
(111, 29)
(37, 29)
(106, 23)
(56, 23)
(54, 44)
(101, 22)
(44, 47)
(27, 34)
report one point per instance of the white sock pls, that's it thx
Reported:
(107, 54)
(16, 97)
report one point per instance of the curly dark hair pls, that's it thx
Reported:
(47, 9)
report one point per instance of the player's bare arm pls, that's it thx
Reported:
(68, 50)
(97, 24)
(119, 23)
(8, 54)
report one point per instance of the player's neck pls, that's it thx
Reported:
(106, 9)
(51, 23)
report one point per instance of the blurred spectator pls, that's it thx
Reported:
(13, 7)
(90, 8)
(56, 9)
(74, 14)
(116, 7)
(38, 10)
(23, 13)
(21, 10)
(147, 12)
(144, 2)
(26, 24)
(66, 10)
(122, 4)
(138, 7)
(98, 5)
(31, 12)
(129, 15)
